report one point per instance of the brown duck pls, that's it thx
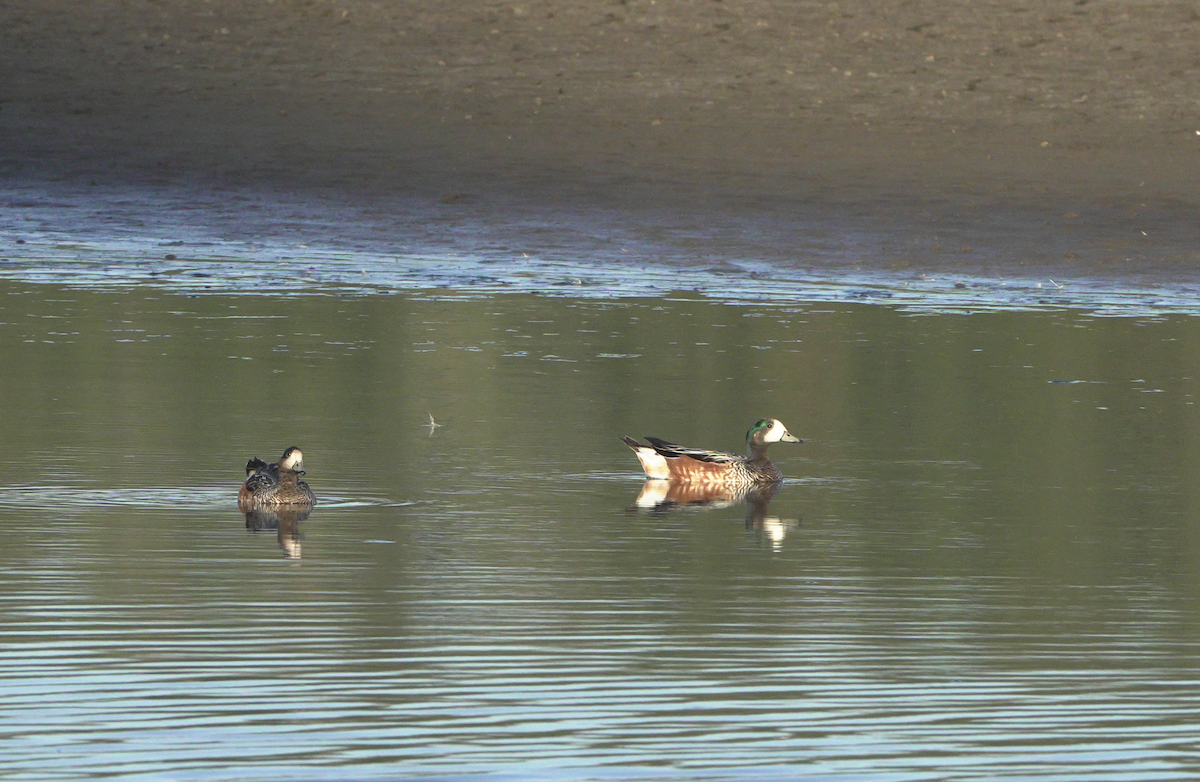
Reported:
(669, 462)
(277, 483)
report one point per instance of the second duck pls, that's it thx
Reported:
(277, 483)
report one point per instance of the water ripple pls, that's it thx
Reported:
(608, 694)
(240, 268)
(199, 498)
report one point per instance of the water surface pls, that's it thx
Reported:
(982, 565)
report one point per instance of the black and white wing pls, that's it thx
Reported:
(673, 451)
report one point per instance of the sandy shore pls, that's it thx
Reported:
(1066, 112)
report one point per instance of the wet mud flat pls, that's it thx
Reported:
(1054, 142)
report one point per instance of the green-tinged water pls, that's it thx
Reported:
(984, 564)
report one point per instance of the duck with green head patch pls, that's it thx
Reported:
(669, 462)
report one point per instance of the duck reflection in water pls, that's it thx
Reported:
(286, 522)
(659, 496)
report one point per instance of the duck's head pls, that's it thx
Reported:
(769, 430)
(292, 459)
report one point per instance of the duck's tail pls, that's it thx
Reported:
(653, 462)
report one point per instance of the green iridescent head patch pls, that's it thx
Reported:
(764, 423)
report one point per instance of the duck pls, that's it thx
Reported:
(669, 462)
(277, 483)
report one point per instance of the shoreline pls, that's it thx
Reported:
(195, 263)
(932, 136)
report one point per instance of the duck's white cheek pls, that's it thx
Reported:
(776, 433)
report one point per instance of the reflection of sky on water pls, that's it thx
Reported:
(208, 240)
(234, 268)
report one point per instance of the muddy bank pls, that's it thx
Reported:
(1075, 122)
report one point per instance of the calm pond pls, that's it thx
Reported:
(984, 563)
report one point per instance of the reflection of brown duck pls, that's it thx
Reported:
(670, 494)
(275, 484)
(285, 519)
(664, 496)
(669, 462)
